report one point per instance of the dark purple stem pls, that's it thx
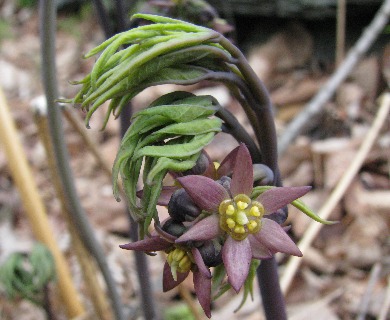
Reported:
(267, 273)
(147, 300)
(148, 305)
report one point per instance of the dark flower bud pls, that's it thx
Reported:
(174, 228)
(200, 167)
(280, 216)
(262, 174)
(211, 253)
(225, 182)
(182, 208)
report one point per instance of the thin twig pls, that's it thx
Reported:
(366, 298)
(338, 192)
(305, 119)
(79, 217)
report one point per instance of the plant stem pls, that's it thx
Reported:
(234, 128)
(47, 32)
(103, 17)
(267, 273)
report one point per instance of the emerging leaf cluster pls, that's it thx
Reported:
(168, 135)
(25, 276)
(167, 51)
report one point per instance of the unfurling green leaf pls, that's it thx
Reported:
(168, 135)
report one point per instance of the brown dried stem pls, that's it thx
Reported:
(35, 209)
(338, 192)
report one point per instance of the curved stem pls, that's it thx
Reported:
(267, 273)
(148, 305)
(103, 17)
(233, 127)
(262, 109)
(48, 25)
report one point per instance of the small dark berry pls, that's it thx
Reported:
(211, 255)
(182, 208)
(262, 174)
(173, 227)
(200, 167)
(225, 182)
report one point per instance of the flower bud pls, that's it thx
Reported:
(173, 227)
(262, 174)
(181, 207)
(225, 182)
(211, 255)
(201, 165)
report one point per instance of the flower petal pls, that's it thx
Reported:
(147, 244)
(242, 178)
(278, 197)
(272, 236)
(237, 256)
(202, 285)
(205, 229)
(200, 263)
(227, 165)
(206, 193)
(259, 251)
(168, 281)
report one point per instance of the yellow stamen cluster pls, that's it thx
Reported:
(240, 216)
(179, 261)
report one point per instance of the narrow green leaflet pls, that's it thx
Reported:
(299, 204)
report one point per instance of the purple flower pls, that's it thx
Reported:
(234, 215)
(180, 261)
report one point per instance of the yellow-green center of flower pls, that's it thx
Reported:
(180, 261)
(240, 216)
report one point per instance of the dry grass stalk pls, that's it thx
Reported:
(35, 208)
(338, 192)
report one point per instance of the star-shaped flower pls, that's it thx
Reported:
(180, 261)
(243, 222)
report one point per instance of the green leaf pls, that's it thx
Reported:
(179, 112)
(195, 127)
(177, 151)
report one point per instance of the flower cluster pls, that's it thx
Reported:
(215, 220)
